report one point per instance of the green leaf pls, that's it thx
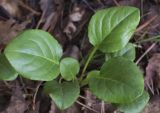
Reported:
(137, 105)
(89, 75)
(119, 81)
(110, 29)
(127, 52)
(69, 68)
(64, 94)
(7, 73)
(35, 54)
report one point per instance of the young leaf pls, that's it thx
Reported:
(137, 105)
(119, 81)
(64, 94)
(69, 67)
(128, 52)
(7, 72)
(35, 54)
(110, 29)
(89, 75)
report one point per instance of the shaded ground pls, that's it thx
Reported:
(67, 20)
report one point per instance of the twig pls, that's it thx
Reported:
(149, 39)
(40, 21)
(157, 90)
(28, 8)
(6, 83)
(145, 53)
(88, 5)
(86, 107)
(146, 24)
(85, 98)
(117, 4)
(100, 2)
(102, 107)
(35, 95)
(142, 7)
(23, 85)
(150, 86)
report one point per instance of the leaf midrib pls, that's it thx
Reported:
(61, 88)
(109, 79)
(117, 25)
(21, 52)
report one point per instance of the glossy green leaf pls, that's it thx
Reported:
(7, 72)
(69, 68)
(119, 81)
(137, 105)
(110, 29)
(63, 94)
(127, 52)
(35, 54)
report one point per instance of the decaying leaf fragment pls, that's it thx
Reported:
(11, 6)
(51, 10)
(18, 104)
(153, 72)
(9, 29)
(76, 15)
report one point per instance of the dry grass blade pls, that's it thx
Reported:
(146, 24)
(145, 53)
(35, 95)
(28, 8)
(117, 4)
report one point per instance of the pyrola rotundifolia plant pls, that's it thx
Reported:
(36, 55)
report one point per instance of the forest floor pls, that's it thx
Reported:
(67, 21)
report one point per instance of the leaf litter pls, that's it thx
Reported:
(67, 21)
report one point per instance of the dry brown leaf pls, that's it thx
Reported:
(153, 72)
(17, 102)
(11, 6)
(9, 29)
(73, 109)
(155, 26)
(96, 104)
(70, 29)
(76, 16)
(51, 10)
(135, 3)
(53, 108)
(72, 51)
(153, 106)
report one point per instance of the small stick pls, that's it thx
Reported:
(102, 107)
(6, 83)
(117, 4)
(146, 24)
(40, 21)
(23, 85)
(101, 2)
(86, 107)
(88, 5)
(145, 53)
(157, 91)
(35, 94)
(85, 98)
(28, 8)
(150, 87)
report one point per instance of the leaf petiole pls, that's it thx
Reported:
(87, 62)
